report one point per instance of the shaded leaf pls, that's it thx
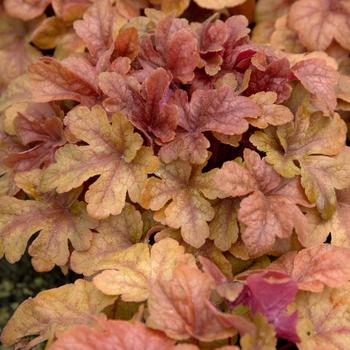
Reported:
(321, 176)
(25, 9)
(309, 134)
(212, 110)
(223, 228)
(218, 5)
(53, 311)
(264, 339)
(113, 235)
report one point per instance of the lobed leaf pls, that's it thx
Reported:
(114, 152)
(181, 308)
(320, 22)
(181, 191)
(132, 272)
(113, 235)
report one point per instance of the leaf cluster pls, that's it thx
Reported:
(195, 176)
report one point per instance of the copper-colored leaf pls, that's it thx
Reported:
(271, 210)
(319, 79)
(146, 105)
(25, 9)
(96, 27)
(113, 235)
(318, 22)
(114, 335)
(212, 110)
(309, 134)
(186, 188)
(181, 308)
(316, 267)
(324, 321)
(58, 218)
(132, 272)
(176, 49)
(39, 131)
(114, 152)
(71, 79)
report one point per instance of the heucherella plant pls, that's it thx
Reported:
(196, 179)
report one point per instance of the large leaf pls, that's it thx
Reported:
(132, 272)
(181, 308)
(114, 152)
(324, 321)
(316, 267)
(60, 219)
(185, 187)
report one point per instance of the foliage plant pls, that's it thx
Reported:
(194, 176)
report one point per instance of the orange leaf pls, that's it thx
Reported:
(316, 267)
(132, 272)
(114, 152)
(186, 187)
(113, 335)
(74, 78)
(181, 308)
(324, 319)
(318, 22)
(58, 218)
(270, 210)
(113, 235)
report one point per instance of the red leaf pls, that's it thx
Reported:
(176, 48)
(70, 79)
(208, 110)
(270, 293)
(146, 106)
